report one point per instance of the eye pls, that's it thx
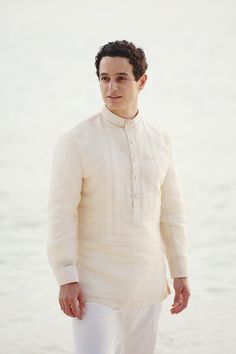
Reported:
(121, 78)
(104, 78)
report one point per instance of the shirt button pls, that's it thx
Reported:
(136, 195)
(134, 159)
(131, 141)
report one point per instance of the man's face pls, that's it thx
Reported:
(118, 86)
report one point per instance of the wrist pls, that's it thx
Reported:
(181, 278)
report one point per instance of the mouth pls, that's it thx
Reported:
(113, 97)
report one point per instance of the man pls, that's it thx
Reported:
(115, 208)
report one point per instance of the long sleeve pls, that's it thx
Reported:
(63, 199)
(115, 210)
(173, 221)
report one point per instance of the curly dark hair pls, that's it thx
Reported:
(125, 49)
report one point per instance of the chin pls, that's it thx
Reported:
(112, 105)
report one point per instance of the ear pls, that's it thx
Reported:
(142, 81)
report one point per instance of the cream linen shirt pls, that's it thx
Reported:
(115, 209)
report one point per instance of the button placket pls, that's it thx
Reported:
(134, 162)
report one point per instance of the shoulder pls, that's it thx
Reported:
(85, 123)
(78, 132)
(158, 130)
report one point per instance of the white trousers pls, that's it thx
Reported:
(115, 330)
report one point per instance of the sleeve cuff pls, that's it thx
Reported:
(178, 269)
(67, 274)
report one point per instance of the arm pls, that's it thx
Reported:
(174, 234)
(63, 199)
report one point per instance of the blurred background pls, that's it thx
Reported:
(48, 85)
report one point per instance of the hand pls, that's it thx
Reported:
(71, 300)
(182, 293)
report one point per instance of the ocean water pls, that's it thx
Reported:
(48, 84)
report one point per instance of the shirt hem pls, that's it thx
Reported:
(126, 303)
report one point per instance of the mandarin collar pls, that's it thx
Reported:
(117, 120)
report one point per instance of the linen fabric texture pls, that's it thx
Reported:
(116, 210)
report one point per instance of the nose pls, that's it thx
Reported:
(112, 86)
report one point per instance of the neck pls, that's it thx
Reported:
(125, 114)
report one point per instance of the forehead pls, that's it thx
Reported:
(114, 65)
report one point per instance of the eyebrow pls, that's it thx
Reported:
(125, 74)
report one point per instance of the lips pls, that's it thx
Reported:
(113, 97)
